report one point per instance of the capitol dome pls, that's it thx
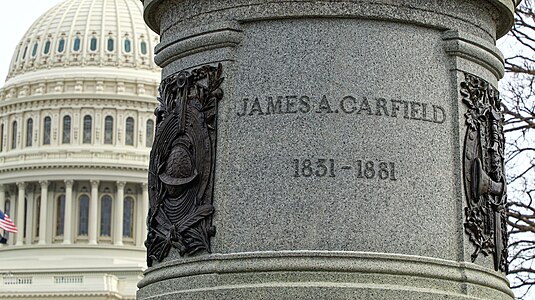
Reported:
(76, 127)
(85, 34)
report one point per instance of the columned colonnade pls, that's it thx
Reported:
(52, 212)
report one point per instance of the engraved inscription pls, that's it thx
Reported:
(349, 105)
(382, 170)
(318, 168)
(365, 169)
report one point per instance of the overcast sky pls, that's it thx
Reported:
(16, 16)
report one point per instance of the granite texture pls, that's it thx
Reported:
(321, 275)
(339, 153)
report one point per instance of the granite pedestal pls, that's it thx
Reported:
(340, 161)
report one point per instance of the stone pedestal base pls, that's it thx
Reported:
(321, 275)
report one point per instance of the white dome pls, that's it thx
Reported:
(86, 33)
(76, 128)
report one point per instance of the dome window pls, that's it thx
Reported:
(128, 217)
(144, 48)
(77, 44)
(47, 48)
(105, 216)
(88, 127)
(34, 50)
(111, 44)
(129, 132)
(1, 137)
(66, 130)
(60, 215)
(24, 53)
(14, 136)
(108, 130)
(150, 133)
(47, 128)
(61, 45)
(93, 44)
(29, 131)
(127, 46)
(83, 216)
(7, 208)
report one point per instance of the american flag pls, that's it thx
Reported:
(6, 223)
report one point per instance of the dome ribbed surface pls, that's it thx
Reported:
(78, 33)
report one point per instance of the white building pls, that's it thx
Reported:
(76, 126)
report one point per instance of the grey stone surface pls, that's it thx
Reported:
(397, 234)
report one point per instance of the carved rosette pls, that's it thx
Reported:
(182, 161)
(483, 168)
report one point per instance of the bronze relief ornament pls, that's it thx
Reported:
(182, 162)
(483, 169)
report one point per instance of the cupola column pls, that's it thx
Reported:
(119, 212)
(93, 212)
(42, 212)
(67, 232)
(19, 222)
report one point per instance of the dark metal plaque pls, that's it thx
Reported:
(483, 168)
(182, 162)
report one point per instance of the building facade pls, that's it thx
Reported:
(76, 127)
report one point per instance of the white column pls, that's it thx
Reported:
(144, 213)
(12, 215)
(29, 216)
(67, 229)
(3, 205)
(119, 211)
(19, 221)
(42, 212)
(2, 197)
(93, 213)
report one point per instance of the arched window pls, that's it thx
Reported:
(108, 130)
(105, 216)
(88, 127)
(128, 217)
(24, 53)
(29, 131)
(111, 44)
(34, 50)
(46, 50)
(143, 47)
(60, 215)
(47, 129)
(77, 44)
(61, 45)
(127, 46)
(67, 130)
(150, 133)
(93, 44)
(14, 136)
(129, 131)
(83, 215)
